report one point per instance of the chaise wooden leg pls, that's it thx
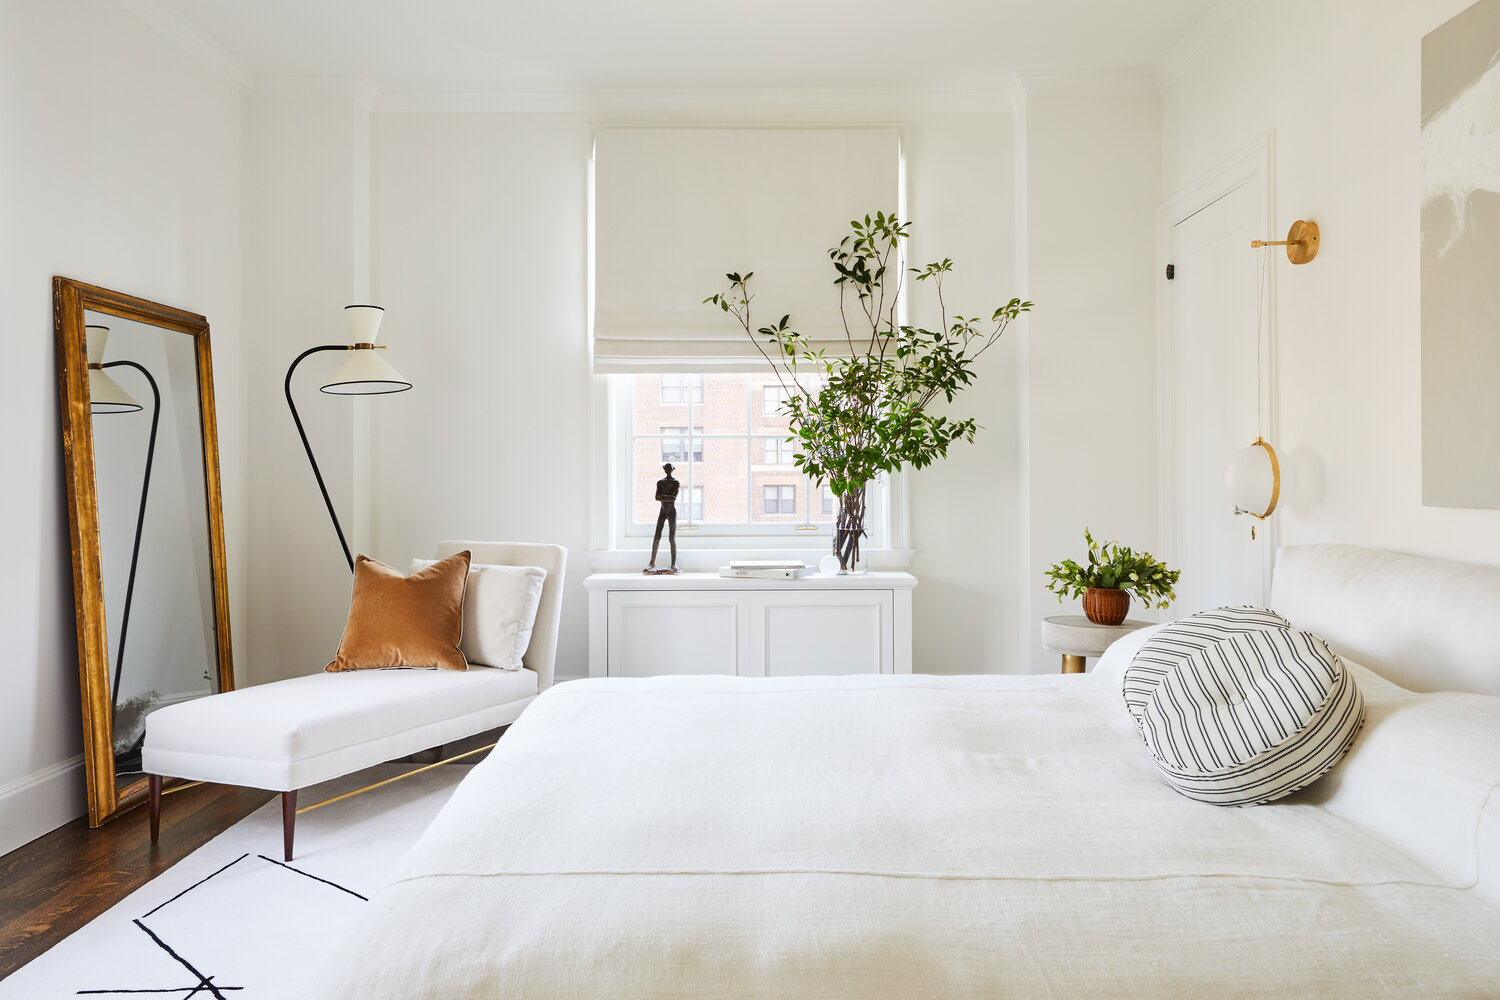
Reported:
(288, 820)
(155, 794)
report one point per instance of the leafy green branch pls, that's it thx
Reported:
(867, 412)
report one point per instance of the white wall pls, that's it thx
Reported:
(480, 232)
(965, 510)
(306, 197)
(1338, 83)
(120, 167)
(1092, 162)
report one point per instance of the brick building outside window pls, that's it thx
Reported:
(734, 430)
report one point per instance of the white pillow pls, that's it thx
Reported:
(1117, 656)
(1167, 648)
(499, 611)
(1252, 717)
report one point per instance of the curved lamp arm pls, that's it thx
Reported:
(140, 522)
(287, 388)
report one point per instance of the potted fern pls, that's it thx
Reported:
(860, 414)
(1114, 572)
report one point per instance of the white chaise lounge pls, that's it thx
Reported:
(290, 734)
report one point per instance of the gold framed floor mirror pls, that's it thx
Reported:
(145, 515)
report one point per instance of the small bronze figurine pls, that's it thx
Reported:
(666, 493)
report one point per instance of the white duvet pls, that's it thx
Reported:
(892, 837)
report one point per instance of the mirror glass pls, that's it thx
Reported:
(154, 532)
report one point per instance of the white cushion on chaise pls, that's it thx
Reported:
(301, 731)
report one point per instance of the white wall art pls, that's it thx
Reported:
(1460, 251)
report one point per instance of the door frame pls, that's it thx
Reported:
(1255, 167)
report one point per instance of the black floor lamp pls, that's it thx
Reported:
(364, 373)
(107, 396)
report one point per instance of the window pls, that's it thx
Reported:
(780, 499)
(828, 504)
(779, 451)
(674, 445)
(772, 396)
(681, 389)
(725, 451)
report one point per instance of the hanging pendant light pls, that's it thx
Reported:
(1253, 480)
(1253, 477)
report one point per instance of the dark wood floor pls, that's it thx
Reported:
(57, 883)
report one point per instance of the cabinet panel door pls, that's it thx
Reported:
(677, 633)
(822, 632)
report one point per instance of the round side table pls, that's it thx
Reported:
(1077, 638)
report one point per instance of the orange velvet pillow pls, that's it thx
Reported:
(405, 621)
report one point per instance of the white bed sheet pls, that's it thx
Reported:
(888, 837)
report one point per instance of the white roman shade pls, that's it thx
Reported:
(676, 209)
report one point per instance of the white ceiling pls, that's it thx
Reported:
(406, 45)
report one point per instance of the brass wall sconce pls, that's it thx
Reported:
(1301, 242)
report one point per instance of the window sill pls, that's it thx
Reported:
(700, 560)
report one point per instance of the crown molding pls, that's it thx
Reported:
(191, 39)
(1213, 24)
(716, 100)
(358, 88)
(1104, 83)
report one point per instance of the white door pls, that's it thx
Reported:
(1211, 398)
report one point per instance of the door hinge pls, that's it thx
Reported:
(1171, 271)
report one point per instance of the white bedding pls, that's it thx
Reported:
(895, 837)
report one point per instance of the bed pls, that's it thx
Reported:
(955, 837)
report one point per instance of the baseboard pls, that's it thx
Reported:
(41, 802)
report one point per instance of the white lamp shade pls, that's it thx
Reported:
(365, 373)
(1253, 480)
(105, 394)
(364, 322)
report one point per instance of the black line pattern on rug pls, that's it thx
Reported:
(175, 989)
(196, 884)
(205, 983)
(315, 878)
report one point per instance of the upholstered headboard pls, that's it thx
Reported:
(1427, 624)
(541, 654)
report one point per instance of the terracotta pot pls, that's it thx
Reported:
(1106, 607)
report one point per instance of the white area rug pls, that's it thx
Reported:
(231, 921)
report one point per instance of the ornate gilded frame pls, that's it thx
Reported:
(70, 301)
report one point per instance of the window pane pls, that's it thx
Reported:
(722, 476)
(778, 498)
(671, 400)
(721, 405)
(646, 471)
(726, 451)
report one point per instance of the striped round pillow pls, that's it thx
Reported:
(1253, 717)
(1165, 651)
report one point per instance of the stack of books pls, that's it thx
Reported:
(766, 569)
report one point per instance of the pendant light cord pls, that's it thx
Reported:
(1260, 317)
